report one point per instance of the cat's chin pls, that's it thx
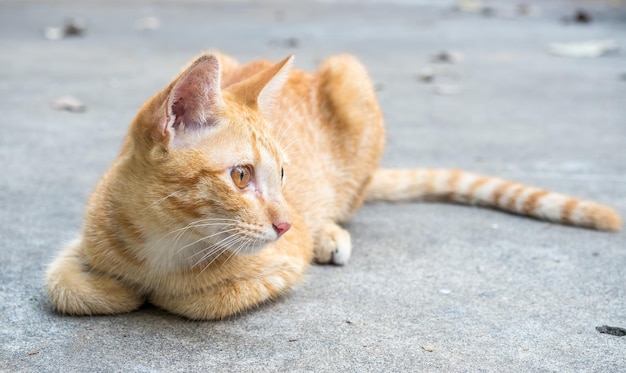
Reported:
(252, 249)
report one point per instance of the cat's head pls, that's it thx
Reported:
(213, 174)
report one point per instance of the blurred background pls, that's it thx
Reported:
(529, 90)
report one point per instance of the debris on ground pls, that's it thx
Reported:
(502, 11)
(585, 49)
(448, 57)
(428, 348)
(612, 330)
(446, 89)
(426, 74)
(72, 27)
(289, 43)
(75, 27)
(53, 33)
(445, 79)
(69, 103)
(581, 16)
(441, 73)
(470, 6)
(528, 10)
(147, 23)
(33, 352)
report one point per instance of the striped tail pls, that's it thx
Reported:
(468, 188)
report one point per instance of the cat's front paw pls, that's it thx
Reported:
(333, 246)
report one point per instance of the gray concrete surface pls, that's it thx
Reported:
(487, 291)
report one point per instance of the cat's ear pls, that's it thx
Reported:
(193, 103)
(261, 89)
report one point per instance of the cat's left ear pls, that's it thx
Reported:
(194, 102)
(262, 89)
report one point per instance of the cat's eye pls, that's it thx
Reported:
(282, 173)
(241, 176)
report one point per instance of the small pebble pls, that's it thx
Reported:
(528, 10)
(445, 291)
(582, 16)
(53, 33)
(448, 57)
(426, 74)
(428, 348)
(446, 89)
(74, 27)
(470, 6)
(147, 24)
(612, 330)
(290, 43)
(69, 103)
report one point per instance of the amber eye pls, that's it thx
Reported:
(240, 176)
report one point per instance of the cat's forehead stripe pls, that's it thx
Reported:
(260, 141)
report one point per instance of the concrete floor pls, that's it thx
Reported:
(430, 287)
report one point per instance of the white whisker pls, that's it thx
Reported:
(206, 237)
(220, 250)
(161, 200)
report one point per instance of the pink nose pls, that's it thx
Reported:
(281, 228)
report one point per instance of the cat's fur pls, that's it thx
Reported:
(170, 224)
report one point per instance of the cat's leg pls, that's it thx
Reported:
(333, 245)
(348, 103)
(76, 290)
(246, 282)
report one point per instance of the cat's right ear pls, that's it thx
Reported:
(193, 103)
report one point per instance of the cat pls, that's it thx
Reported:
(234, 178)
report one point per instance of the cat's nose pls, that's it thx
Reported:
(281, 228)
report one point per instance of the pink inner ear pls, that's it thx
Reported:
(178, 109)
(195, 99)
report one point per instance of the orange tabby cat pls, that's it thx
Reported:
(232, 179)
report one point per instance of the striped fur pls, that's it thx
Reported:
(468, 188)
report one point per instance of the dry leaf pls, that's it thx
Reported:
(585, 49)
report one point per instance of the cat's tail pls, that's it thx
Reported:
(468, 188)
(75, 290)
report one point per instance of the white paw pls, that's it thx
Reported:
(334, 245)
